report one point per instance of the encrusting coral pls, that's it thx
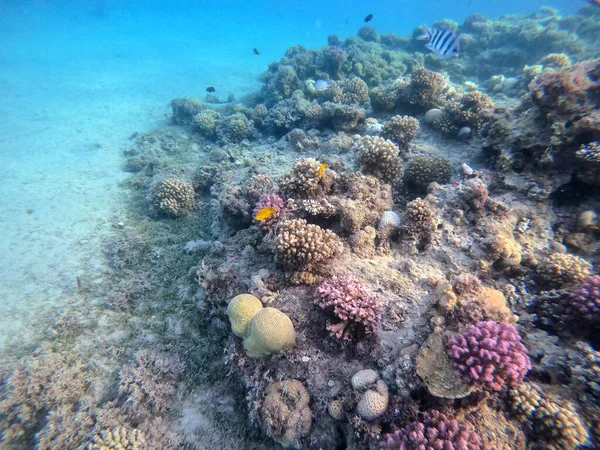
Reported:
(285, 413)
(358, 311)
(173, 197)
(379, 157)
(490, 354)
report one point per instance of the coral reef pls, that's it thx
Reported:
(434, 430)
(379, 157)
(285, 414)
(563, 268)
(173, 197)
(119, 438)
(585, 301)
(490, 354)
(357, 311)
(420, 221)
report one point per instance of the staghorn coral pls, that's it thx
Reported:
(304, 182)
(147, 385)
(285, 413)
(584, 301)
(119, 439)
(563, 268)
(269, 332)
(552, 423)
(490, 354)
(421, 170)
(401, 130)
(420, 221)
(173, 197)
(241, 309)
(301, 246)
(434, 431)
(268, 201)
(358, 311)
(379, 157)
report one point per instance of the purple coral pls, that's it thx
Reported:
(334, 57)
(490, 354)
(585, 301)
(358, 310)
(434, 431)
(268, 201)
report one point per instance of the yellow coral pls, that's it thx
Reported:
(562, 268)
(506, 250)
(119, 439)
(241, 309)
(270, 331)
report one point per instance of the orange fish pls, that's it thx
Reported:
(321, 171)
(264, 214)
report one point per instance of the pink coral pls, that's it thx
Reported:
(358, 310)
(585, 301)
(490, 354)
(268, 201)
(434, 431)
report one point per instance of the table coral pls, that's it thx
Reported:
(434, 431)
(379, 157)
(285, 414)
(490, 354)
(357, 310)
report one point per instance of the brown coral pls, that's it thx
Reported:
(401, 130)
(306, 180)
(564, 268)
(285, 414)
(173, 197)
(420, 221)
(379, 157)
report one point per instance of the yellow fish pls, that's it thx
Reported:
(264, 214)
(321, 171)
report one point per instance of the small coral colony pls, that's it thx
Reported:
(401, 242)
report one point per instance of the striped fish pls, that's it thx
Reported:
(444, 43)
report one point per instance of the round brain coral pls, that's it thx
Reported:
(434, 431)
(270, 331)
(490, 354)
(379, 157)
(357, 309)
(241, 309)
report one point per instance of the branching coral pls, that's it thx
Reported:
(268, 201)
(173, 197)
(285, 414)
(357, 310)
(379, 157)
(301, 246)
(401, 130)
(234, 128)
(490, 354)
(434, 431)
(422, 170)
(307, 179)
(206, 122)
(563, 268)
(425, 89)
(585, 301)
(420, 221)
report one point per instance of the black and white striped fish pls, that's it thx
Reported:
(444, 43)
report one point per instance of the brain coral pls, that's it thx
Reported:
(173, 197)
(373, 403)
(241, 310)
(379, 157)
(490, 354)
(299, 245)
(434, 431)
(285, 414)
(357, 310)
(269, 332)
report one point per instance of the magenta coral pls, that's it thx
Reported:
(490, 354)
(268, 201)
(585, 301)
(434, 431)
(358, 310)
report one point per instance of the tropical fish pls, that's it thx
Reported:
(443, 43)
(368, 18)
(322, 85)
(321, 170)
(210, 89)
(264, 214)
(256, 52)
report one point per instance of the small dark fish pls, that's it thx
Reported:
(256, 52)
(210, 89)
(79, 283)
(368, 18)
(443, 43)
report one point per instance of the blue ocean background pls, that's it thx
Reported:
(77, 78)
